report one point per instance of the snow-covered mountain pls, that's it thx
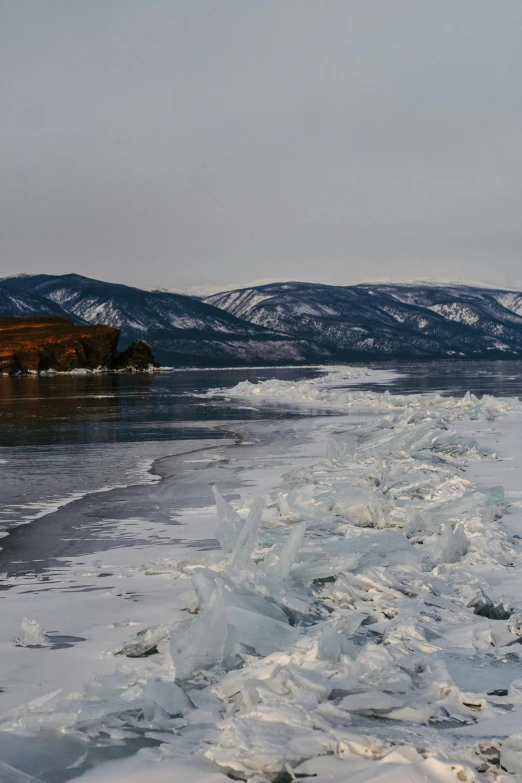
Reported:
(382, 321)
(286, 322)
(20, 303)
(181, 329)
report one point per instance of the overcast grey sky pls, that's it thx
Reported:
(182, 142)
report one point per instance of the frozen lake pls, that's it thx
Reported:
(62, 436)
(108, 508)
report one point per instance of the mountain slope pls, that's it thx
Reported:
(21, 303)
(379, 321)
(181, 330)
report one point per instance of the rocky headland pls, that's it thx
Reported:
(37, 344)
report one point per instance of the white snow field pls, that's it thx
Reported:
(360, 620)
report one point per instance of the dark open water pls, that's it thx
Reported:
(66, 435)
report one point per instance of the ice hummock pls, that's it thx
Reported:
(494, 610)
(511, 754)
(31, 635)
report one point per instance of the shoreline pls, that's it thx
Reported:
(64, 513)
(82, 371)
(373, 364)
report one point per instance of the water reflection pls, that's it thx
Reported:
(35, 401)
(108, 408)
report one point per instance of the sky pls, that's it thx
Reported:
(189, 143)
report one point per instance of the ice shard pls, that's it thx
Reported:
(166, 695)
(243, 598)
(321, 569)
(199, 643)
(247, 536)
(262, 634)
(359, 503)
(336, 449)
(288, 553)
(454, 509)
(229, 522)
(145, 642)
(451, 546)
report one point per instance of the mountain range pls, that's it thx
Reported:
(286, 323)
(182, 330)
(383, 321)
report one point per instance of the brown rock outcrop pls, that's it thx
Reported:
(137, 357)
(42, 343)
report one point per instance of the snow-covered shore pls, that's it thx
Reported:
(85, 371)
(361, 619)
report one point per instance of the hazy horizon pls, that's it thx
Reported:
(205, 290)
(178, 145)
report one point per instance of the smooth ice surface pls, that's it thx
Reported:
(487, 672)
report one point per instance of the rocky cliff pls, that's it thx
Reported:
(42, 343)
(137, 357)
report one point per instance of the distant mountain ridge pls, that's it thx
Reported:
(386, 321)
(286, 322)
(181, 329)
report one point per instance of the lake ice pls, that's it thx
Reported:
(344, 605)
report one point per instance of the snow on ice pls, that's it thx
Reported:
(349, 629)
